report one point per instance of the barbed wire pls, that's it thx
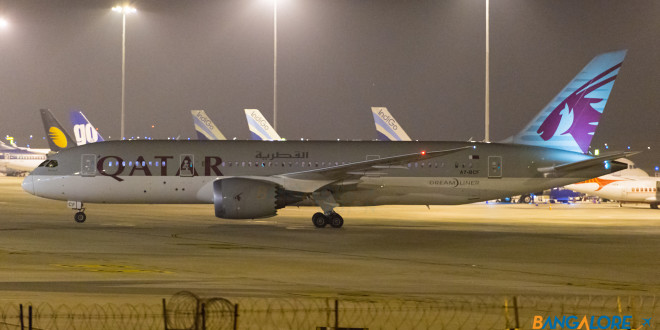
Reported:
(186, 310)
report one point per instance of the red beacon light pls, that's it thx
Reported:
(423, 152)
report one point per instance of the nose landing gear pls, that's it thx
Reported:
(80, 216)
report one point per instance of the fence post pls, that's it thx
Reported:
(336, 314)
(515, 310)
(20, 313)
(235, 316)
(164, 314)
(30, 317)
(203, 316)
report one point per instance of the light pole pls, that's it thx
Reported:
(275, 64)
(123, 10)
(487, 134)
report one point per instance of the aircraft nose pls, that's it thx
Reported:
(28, 184)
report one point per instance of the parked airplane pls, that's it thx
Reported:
(19, 161)
(260, 128)
(387, 127)
(204, 126)
(83, 130)
(631, 185)
(253, 179)
(58, 138)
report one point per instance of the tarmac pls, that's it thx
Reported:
(141, 253)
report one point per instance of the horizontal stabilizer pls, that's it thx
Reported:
(569, 167)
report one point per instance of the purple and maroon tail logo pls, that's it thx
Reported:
(579, 107)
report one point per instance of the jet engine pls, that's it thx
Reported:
(240, 198)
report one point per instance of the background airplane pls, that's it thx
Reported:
(19, 161)
(83, 130)
(387, 127)
(204, 126)
(260, 128)
(631, 185)
(253, 179)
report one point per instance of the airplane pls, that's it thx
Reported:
(19, 161)
(253, 179)
(58, 138)
(83, 130)
(260, 128)
(204, 126)
(387, 127)
(631, 185)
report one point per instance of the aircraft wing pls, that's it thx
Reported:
(312, 180)
(564, 168)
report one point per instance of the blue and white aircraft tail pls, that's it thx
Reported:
(204, 126)
(569, 121)
(83, 130)
(260, 128)
(387, 127)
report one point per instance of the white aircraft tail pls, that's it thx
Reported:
(387, 127)
(260, 128)
(206, 129)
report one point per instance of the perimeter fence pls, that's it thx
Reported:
(188, 311)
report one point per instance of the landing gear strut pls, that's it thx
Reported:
(320, 220)
(80, 216)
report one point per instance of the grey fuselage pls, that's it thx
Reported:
(151, 171)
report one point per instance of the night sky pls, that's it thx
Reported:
(424, 60)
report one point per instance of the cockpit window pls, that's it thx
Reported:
(51, 164)
(43, 163)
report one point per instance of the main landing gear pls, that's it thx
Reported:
(333, 219)
(327, 202)
(80, 216)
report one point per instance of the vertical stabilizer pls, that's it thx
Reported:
(387, 127)
(204, 126)
(83, 130)
(569, 121)
(57, 137)
(260, 128)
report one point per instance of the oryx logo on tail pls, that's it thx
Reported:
(569, 121)
(579, 107)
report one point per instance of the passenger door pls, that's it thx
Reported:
(187, 166)
(494, 167)
(88, 165)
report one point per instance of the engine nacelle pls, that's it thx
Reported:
(238, 198)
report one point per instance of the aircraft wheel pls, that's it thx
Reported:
(654, 206)
(319, 219)
(336, 221)
(80, 217)
(527, 199)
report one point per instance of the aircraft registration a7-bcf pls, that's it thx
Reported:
(253, 179)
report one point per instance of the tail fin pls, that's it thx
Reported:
(387, 127)
(260, 128)
(58, 138)
(569, 121)
(83, 130)
(206, 129)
